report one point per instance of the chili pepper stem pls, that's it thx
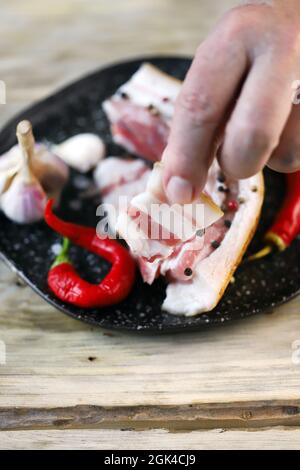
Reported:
(62, 257)
(260, 254)
(271, 238)
(273, 241)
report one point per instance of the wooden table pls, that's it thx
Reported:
(66, 385)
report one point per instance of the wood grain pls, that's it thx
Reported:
(64, 374)
(55, 362)
(45, 45)
(286, 439)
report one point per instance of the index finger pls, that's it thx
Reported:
(200, 110)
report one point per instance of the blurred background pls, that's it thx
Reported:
(45, 44)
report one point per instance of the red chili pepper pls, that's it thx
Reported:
(287, 223)
(66, 283)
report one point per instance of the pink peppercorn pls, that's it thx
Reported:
(232, 205)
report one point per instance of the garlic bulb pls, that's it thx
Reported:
(29, 174)
(24, 200)
(82, 152)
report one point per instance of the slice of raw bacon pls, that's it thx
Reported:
(214, 271)
(214, 261)
(166, 239)
(140, 114)
(141, 110)
(119, 180)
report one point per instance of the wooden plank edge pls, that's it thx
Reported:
(279, 438)
(173, 418)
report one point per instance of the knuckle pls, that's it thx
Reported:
(238, 20)
(244, 19)
(233, 23)
(199, 106)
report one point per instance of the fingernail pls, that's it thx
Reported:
(179, 190)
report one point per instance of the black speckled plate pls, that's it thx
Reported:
(258, 287)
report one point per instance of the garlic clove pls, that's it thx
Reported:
(82, 152)
(24, 201)
(50, 170)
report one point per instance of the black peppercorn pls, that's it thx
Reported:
(215, 244)
(188, 272)
(223, 189)
(124, 95)
(153, 110)
(200, 232)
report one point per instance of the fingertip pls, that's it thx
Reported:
(179, 190)
(183, 177)
(246, 151)
(285, 163)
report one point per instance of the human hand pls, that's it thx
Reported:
(238, 91)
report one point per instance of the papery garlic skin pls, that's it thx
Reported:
(11, 159)
(10, 164)
(81, 152)
(6, 178)
(24, 201)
